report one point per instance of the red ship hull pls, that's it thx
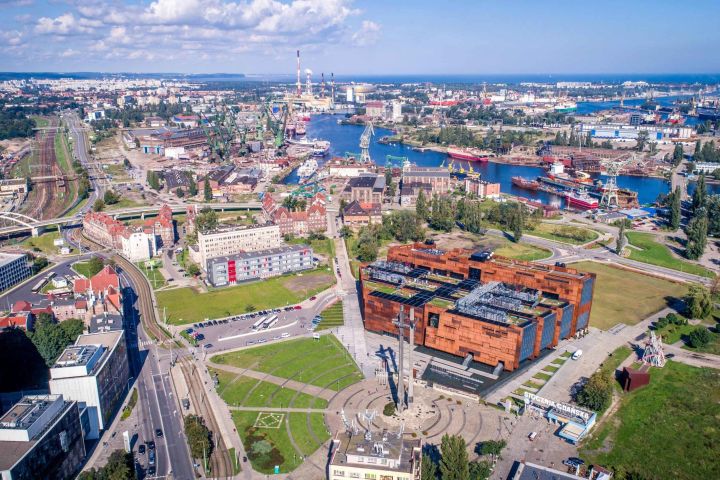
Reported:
(467, 157)
(586, 204)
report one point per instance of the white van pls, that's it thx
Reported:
(577, 354)
(532, 436)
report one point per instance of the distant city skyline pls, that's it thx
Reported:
(361, 38)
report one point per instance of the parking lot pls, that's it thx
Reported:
(260, 327)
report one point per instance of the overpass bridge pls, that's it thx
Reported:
(16, 223)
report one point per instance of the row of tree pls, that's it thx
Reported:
(451, 462)
(706, 152)
(15, 123)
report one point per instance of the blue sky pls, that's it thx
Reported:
(361, 37)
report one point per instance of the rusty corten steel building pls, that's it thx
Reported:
(492, 310)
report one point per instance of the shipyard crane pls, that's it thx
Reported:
(365, 143)
(612, 168)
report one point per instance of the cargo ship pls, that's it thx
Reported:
(525, 183)
(468, 154)
(320, 148)
(581, 200)
(308, 168)
(565, 107)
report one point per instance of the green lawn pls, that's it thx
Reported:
(522, 251)
(266, 447)
(613, 305)
(83, 268)
(153, 275)
(185, 305)
(236, 391)
(564, 233)
(332, 317)
(61, 153)
(324, 362)
(124, 203)
(713, 347)
(43, 243)
(669, 429)
(323, 247)
(656, 253)
(674, 333)
(40, 122)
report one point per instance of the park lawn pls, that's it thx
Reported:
(654, 253)
(303, 433)
(674, 333)
(153, 275)
(669, 429)
(43, 243)
(123, 203)
(40, 122)
(713, 347)
(323, 362)
(625, 296)
(332, 317)
(564, 233)
(185, 305)
(542, 376)
(266, 447)
(522, 251)
(326, 246)
(234, 390)
(83, 268)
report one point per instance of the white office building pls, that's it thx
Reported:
(94, 371)
(138, 246)
(232, 239)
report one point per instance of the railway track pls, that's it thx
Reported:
(221, 464)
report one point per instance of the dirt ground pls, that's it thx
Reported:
(307, 282)
(457, 239)
(13, 145)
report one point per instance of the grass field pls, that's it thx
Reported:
(324, 362)
(240, 391)
(123, 203)
(521, 251)
(669, 429)
(656, 253)
(323, 247)
(41, 122)
(43, 243)
(332, 317)
(153, 275)
(611, 303)
(83, 268)
(674, 333)
(185, 305)
(564, 233)
(267, 447)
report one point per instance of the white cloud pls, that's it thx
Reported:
(65, 24)
(69, 53)
(11, 38)
(368, 34)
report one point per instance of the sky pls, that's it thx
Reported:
(370, 37)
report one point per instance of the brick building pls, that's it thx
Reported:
(357, 214)
(367, 188)
(163, 226)
(495, 311)
(312, 219)
(481, 188)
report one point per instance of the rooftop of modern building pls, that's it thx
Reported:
(366, 180)
(377, 445)
(225, 228)
(7, 258)
(77, 355)
(531, 471)
(260, 253)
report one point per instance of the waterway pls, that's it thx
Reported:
(346, 138)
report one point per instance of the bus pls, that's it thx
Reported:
(43, 281)
(257, 324)
(270, 322)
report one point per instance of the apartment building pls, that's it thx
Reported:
(232, 239)
(95, 371)
(312, 219)
(234, 269)
(375, 455)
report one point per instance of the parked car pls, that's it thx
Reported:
(158, 432)
(141, 449)
(151, 445)
(313, 298)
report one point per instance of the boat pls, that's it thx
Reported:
(525, 183)
(566, 107)
(320, 148)
(308, 168)
(300, 128)
(468, 154)
(581, 200)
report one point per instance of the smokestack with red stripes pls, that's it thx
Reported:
(322, 91)
(299, 85)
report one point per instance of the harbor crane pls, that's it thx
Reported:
(365, 143)
(612, 168)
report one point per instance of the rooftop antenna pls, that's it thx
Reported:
(299, 85)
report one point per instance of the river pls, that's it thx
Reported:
(346, 138)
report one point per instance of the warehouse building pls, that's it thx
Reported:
(495, 311)
(242, 267)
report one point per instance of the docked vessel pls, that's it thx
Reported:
(320, 148)
(308, 168)
(468, 154)
(566, 107)
(300, 128)
(581, 200)
(525, 183)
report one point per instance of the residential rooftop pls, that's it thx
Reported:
(378, 450)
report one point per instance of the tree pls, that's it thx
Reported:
(696, 232)
(99, 205)
(713, 209)
(675, 211)
(698, 302)
(207, 189)
(678, 154)
(206, 219)
(454, 462)
(492, 448)
(110, 197)
(94, 265)
(516, 222)
(389, 409)
(193, 269)
(480, 470)
(699, 197)
(442, 216)
(153, 179)
(118, 467)
(699, 337)
(429, 468)
(389, 182)
(620, 238)
(51, 338)
(179, 192)
(192, 186)
(596, 394)
(198, 437)
(421, 206)
(367, 246)
(404, 225)
(346, 231)
(39, 263)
